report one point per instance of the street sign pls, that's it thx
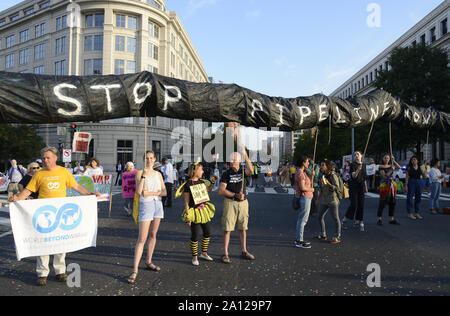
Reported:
(67, 155)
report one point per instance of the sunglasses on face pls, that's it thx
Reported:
(35, 168)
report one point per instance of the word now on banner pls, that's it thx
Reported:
(53, 226)
(100, 184)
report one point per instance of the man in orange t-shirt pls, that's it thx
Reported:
(51, 182)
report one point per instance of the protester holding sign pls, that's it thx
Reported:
(151, 189)
(388, 188)
(94, 169)
(358, 189)
(236, 208)
(51, 182)
(198, 212)
(129, 187)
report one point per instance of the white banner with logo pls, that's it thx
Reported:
(53, 226)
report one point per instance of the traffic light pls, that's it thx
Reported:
(61, 147)
(74, 128)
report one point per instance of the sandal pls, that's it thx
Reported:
(152, 267)
(132, 280)
(247, 256)
(321, 237)
(226, 259)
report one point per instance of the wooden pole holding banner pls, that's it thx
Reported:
(315, 145)
(110, 195)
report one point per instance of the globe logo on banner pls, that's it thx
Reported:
(48, 218)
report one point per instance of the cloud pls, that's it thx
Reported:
(195, 5)
(340, 73)
(253, 14)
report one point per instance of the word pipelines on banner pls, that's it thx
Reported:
(47, 218)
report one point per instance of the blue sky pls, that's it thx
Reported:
(290, 48)
(293, 47)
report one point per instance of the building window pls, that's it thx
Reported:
(61, 22)
(433, 34)
(156, 148)
(120, 20)
(124, 151)
(131, 67)
(9, 61)
(39, 51)
(414, 43)
(132, 23)
(2, 22)
(423, 39)
(153, 3)
(24, 36)
(131, 45)
(153, 51)
(120, 43)
(44, 5)
(119, 67)
(60, 68)
(371, 76)
(444, 27)
(172, 60)
(60, 45)
(39, 30)
(95, 20)
(38, 70)
(14, 17)
(10, 41)
(152, 69)
(93, 67)
(23, 56)
(153, 29)
(28, 11)
(93, 43)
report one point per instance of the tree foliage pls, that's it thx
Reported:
(420, 77)
(19, 142)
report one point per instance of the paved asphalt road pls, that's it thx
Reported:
(414, 257)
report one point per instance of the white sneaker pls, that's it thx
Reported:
(195, 262)
(207, 258)
(361, 227)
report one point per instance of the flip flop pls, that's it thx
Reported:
(152, 267)
(247, 256)
(226, 259)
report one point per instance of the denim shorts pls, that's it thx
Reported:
(149, 211)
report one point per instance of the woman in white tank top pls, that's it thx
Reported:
(150, 187)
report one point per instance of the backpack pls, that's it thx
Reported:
(342, 192)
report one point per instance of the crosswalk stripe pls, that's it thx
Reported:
(5, 221)
(6, 234)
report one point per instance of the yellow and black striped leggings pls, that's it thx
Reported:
(206, 238)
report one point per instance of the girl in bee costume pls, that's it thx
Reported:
(198, 212)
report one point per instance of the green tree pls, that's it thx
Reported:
(420, 77)
(20, 142)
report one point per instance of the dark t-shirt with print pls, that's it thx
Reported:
(233, 179)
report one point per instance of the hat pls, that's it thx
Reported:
(38, 160)
(157, 165)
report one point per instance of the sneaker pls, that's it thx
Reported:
(206, 257)
(434, 212)
(394, 222)
(361, 227)
(380, 222)
(336, 240)
(195, 262)
(411, 216)
(302, 244)
(418, 216)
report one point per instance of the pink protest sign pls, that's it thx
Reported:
(128, 184)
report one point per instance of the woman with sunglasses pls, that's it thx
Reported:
(32, 169)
